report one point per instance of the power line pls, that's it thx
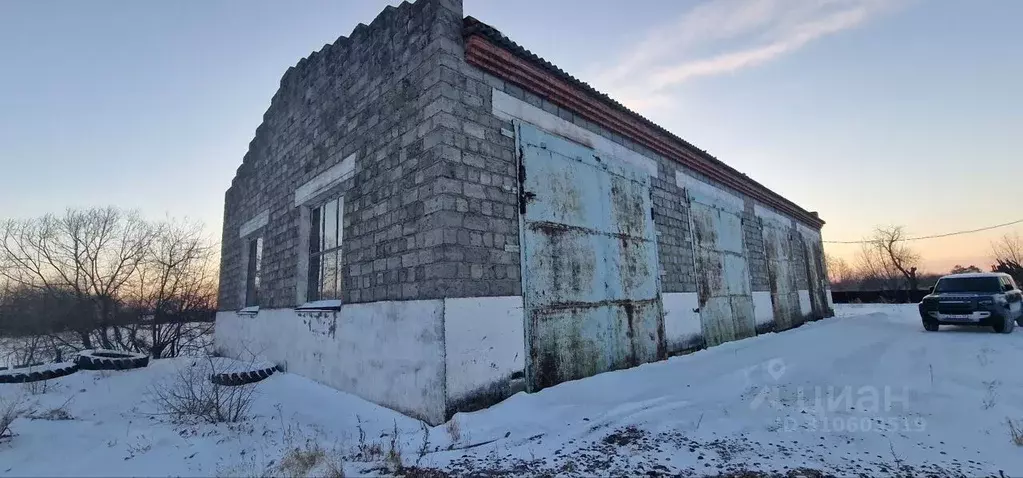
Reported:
(935, 236)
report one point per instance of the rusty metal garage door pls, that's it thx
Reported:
(722, 274)
(589, 262)
(780, 243)
(815, 277)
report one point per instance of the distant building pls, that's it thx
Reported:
(431, 217)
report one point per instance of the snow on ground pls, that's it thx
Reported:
(865, 392)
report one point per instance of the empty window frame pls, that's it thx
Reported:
(325, 258)
(254, 272)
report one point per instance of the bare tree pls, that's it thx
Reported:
(958, 269)
(108, 277)
(1008, 255)
(840, 274)
(886, 256)
(91, 253)
(174, 290)
(1009, 248)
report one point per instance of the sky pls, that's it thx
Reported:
(870, 112)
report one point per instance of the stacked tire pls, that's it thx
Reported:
(100, 359)
(37, 372)
(234, 379)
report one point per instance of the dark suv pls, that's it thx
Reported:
(986, 299)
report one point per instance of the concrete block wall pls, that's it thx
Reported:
(377, 95)
(799, 261)
(756, 256)
(473, 208)
(674, 249)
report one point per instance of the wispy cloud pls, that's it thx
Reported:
(723, 36)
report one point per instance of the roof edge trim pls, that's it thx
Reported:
(487, 49)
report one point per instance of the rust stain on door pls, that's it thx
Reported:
(779, 249)
(590, 283)
(723, 283)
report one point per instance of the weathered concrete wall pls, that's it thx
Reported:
(485, 349)
(388, 352)
(425, 358)
(376, 97)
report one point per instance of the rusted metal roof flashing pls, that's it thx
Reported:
(489, 49)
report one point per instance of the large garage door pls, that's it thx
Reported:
(722, 274)
(779, 245)
(590, 275)
(815, 277)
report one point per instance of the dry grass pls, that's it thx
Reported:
(311, 460)
(59, 413)
(54, 414)
(334, 469)
(299, 461)
(1015, 431)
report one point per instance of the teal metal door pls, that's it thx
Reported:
(815, 278)
(589, 262)
(779, 243)
(723, 282)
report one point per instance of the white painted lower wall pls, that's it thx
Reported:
(486, 344)
(390, 353)
(682, 328)
(805, 307)
(763, 310)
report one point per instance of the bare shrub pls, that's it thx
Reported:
(37, 388)
(394, 460)
(454, 431)
(424, 447)
(9, 411)
(1015, 431)
(366, 452)
(189, 396)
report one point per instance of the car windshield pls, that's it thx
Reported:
(968, 284)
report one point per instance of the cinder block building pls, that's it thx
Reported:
(432, 217)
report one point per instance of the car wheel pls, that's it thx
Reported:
(930, 326)
(1005, 326)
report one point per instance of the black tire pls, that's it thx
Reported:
(1005, 326)
(931, 326)
(26, 375)
(110, 360)
(234, 379)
